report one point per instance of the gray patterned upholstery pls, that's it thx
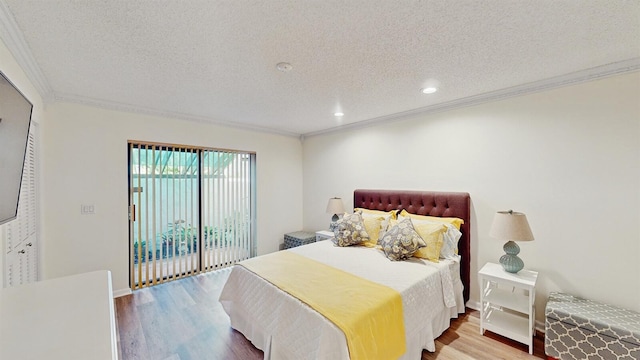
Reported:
(298, 238)
(577, 328)
(350, 230)
(401, 241)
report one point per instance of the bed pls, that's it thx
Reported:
(286, 328)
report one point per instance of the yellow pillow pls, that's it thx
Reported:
(373, 222)
(364, 212)
(457, 222)
(433, 235)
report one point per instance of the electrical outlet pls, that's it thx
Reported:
(87, 209)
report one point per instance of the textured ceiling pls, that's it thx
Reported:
(216, 60)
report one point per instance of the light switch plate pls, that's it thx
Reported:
(87, 209)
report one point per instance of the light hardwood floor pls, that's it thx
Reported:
(183, 320)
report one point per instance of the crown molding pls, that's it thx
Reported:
(15, 42)
(573, 78)
(118, 106)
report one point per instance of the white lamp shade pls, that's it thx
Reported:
(335, 206)
(511, 225)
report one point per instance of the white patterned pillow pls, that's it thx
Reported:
(350, 230)
(401, 241)
(450, 245)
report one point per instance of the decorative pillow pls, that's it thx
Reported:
(373, 221)
(433, 235)
(401, 241)
(387, 223)
(450, 244)
(449, 248)
(350, 230)
(393, 214)
(457, 222)
(372, 225)
(376, 212)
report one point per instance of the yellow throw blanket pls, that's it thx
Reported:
(369, 314)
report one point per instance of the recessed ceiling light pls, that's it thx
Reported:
(284, 66)
(429, 90)
(338, 114)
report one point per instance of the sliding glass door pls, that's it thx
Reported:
(191, 210)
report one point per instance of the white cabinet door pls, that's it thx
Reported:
(11, 269)
(31, 266)
(21, 235)
(27, 262)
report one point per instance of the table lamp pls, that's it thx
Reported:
(334, 207)
(511, 226)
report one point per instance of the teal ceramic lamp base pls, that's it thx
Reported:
(510, 261)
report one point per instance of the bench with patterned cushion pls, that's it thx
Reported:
(578, 328)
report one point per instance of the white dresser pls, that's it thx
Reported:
(67, 318)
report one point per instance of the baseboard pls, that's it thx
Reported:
(475, 305)
(121, 292)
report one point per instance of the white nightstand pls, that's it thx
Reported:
(323, 235)
(507, 303)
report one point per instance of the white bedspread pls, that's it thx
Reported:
(285, 328)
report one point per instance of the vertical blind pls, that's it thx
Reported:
(191, 210)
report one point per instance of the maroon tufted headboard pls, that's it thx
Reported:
(441, 204)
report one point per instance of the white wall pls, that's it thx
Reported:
(14, 73)
(569, 158)
(85, 162)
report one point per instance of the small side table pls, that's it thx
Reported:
(323, 235)
(507, 303)
(298, 238)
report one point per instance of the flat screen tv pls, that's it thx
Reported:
(15, 119)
